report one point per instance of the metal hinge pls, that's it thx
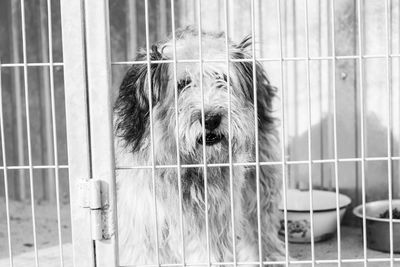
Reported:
(92, 197)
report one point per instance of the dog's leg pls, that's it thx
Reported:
(246, 251)
(137, 254)
(196, 252)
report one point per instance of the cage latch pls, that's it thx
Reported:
(91, 198)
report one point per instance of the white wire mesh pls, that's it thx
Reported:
(42, 172)
(335, 159)
(197, 12)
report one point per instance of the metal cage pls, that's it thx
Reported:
(91, 71)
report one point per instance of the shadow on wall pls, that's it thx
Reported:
(349, 173)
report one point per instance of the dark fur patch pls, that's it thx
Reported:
(132, 104)
(265, 91)
(193, 178)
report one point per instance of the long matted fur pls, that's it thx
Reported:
(139, 218)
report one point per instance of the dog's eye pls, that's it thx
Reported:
(224, 78)
(221, 80)
(221, 76)
(183, 83)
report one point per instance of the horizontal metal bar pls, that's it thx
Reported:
(266, 262)
(205, 264)
(34, 167)
(250, 59)
(201, 165)
(60, 64)
(370, 260)
(33, 64)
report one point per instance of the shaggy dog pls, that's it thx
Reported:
(151, 209)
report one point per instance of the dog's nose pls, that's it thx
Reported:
(212, 121)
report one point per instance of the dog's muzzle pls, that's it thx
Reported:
(212, 138)
(212, 122)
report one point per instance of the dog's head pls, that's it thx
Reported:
(204, 94)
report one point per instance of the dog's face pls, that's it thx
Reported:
(204, 96)
(212, 94)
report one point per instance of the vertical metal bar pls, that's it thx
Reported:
(389, 126)
(330, 48)
(219, 15)
(360, 65)
(101, 123)
(310, 181)
(47, 178)
(183, 11)
(260, 27)
(153, 169)
(335, 146)
(3, 150)
(28, 130)
(178, 157)
(284, 46)
(398, 69)
(19, 137)
(229, 89)
(200, 44)
(283, 133)
(257, 25)
(296, 94)
(162, 19)
(53, 122)
(132, 29)
(320, 85)
(194, 7)
(232, 20)
(257, 152)
(76, 110)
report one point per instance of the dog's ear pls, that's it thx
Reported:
(245, 43)
(131, 107)
(265, 91)
(265, 96)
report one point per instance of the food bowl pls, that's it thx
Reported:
(378, 229)
(324, 215)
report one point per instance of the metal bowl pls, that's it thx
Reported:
(378, 229)
(324, 215)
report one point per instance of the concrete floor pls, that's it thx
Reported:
(351, 248)
(48, 257)
(21, 233)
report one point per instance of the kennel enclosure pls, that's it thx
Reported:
(334, 69)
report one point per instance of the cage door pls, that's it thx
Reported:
(89, 128)
(101, 127)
